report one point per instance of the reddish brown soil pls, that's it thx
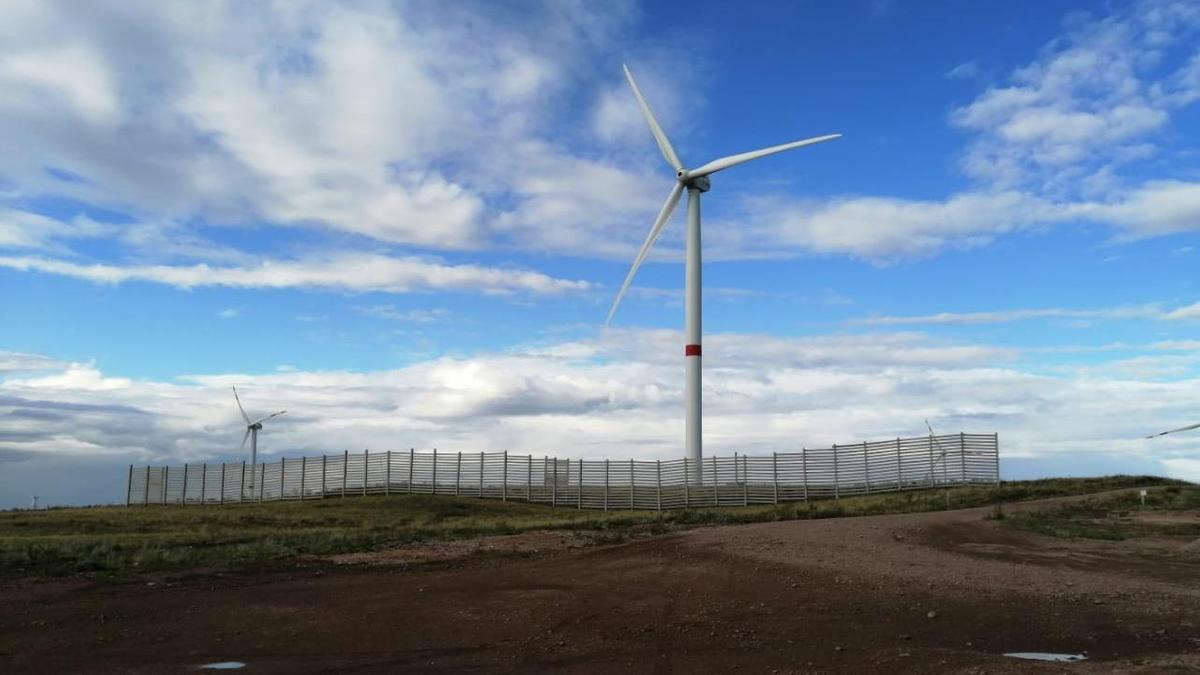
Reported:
(935, 593)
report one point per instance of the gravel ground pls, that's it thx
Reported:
(936, 593)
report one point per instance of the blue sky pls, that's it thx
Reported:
(405, 222)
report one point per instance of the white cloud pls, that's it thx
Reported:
(884, 227)
(73, 72)
(21, 362)
(1155, 208)
(1187, 468)
(1004, 316)
(967, 70)
(1189, 312)
(347, 272)
(406, 123)
(390, 312)
(1091, 100)
(229, 313)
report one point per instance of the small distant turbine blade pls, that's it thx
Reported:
(243, 445)
(733, 160)
(664, 145)
(663, 216)
(1164, 433)
(264, 419)
(239, 402)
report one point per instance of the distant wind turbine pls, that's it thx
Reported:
(1164, 433)
(252, 429)
(696, 182)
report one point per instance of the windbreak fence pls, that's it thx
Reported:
(841, 471)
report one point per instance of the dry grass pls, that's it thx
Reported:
(120, 542)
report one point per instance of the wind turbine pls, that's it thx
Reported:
(1164, 433)
(252, 429)
(696, 182)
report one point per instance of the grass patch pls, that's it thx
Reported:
(121, 543)
(1115, 517)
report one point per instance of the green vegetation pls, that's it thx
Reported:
(1117, 516)
(120, 542)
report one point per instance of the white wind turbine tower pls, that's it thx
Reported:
(696, 182)
(252, 429)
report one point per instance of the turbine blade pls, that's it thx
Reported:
(733, 160)
(664, 145)
(243, 445)
(239, 402)
(1164, 433)
(663, 216)
(264, 419)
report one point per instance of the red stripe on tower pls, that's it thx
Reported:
(691, 350)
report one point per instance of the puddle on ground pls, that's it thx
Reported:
(223, 665)
(1047, 656)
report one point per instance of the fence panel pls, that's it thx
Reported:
(809, 473)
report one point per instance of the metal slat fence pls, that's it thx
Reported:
(826, 473)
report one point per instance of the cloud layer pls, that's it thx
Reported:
(615, 396)
(462, 128)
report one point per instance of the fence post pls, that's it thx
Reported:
(716, 497)
(735, 469)
(554, 485)
(366, 466)
(183, 497)
(345, 470)
(632, 485)
(996, 451)
(222, 497)
(658, 480)
(262, 481)
(899, 467)
(579, 495)
(804, 470)
(687, 481)
(303, 474)
(504, 485)
(775, 474)
(146, 496)
(387, 473)
(866, 467)
(836, 487)
(745, 482)
(930, 443)
(458, 474)
(323, 465)
(962, 455)
(410, 469)
(204, 483)
(529, 478)
(129, 487)
(606, 485)
(435, 471)
(482, 463)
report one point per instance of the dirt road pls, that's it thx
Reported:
(943, 592)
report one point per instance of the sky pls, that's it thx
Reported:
(404, 223)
